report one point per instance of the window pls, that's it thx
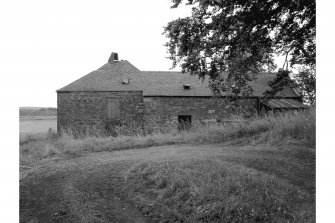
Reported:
(184, 122)
(186, 86)
(113, 109)
(125, 81)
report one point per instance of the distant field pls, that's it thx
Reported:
(37, 111)
(37, 124)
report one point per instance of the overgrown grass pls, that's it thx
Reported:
(216, 191)
(289, 127)
(244, 184)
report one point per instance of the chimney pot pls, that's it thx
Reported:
(113, 57)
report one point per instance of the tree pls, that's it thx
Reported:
(306, 82)
(229, 39)
(282, 79)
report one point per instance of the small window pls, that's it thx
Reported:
(113, 109)
(186, 86)
(184, 122)
(125, 81)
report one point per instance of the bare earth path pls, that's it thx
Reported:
(91, 188)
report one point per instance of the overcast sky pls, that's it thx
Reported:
(48, 44)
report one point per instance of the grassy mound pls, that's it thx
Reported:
(216, 191)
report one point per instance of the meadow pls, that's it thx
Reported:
(37, 124)
(259, 170)
(35, 120)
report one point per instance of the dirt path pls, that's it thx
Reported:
(91, 188)
(82, 191)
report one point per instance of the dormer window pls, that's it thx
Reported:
(125, 81)
(186, 86)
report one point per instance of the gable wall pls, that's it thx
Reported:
(81, 112)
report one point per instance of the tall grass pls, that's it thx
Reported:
(276, 129)
(203, 190)
(298, 127)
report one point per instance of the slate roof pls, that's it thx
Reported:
(157, 83)
(170, 83)
(107, 78)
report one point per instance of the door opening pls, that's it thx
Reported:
(184, 122)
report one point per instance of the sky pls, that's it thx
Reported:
(46, 45)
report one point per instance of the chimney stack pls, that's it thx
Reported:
(114, 57)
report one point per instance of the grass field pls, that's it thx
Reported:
(37, 124)
(262, 170)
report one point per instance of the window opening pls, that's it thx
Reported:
(186, 86)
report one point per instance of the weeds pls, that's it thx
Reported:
(289, 127)
(239, 186)
(213, 191)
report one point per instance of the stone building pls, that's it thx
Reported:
(120, 96)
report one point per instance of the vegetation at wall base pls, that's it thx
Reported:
(278, 129)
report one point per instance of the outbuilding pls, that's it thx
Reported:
(120, 97)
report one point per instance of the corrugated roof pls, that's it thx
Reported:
(109, 77)
(284, 104)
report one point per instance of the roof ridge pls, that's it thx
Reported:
(161, 71)
(153, 83)
(116, 65)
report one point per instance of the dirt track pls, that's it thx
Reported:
(91, 188)
(64, 190)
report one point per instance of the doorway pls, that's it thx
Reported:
(184, 122)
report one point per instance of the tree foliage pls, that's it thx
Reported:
(277, 84)
(306, 82)
(239, 37)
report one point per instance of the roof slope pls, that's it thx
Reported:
(107, 78)
(157, 83)
(170, 83)
(165, 83)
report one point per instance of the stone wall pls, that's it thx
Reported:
(86, 112)
(161, 113)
